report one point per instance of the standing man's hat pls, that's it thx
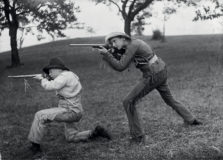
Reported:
(55, 63)
(115, 34)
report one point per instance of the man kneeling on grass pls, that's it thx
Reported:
(69, 110)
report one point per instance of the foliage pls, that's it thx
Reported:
(139, 22)
(129, 9)
(50, 16)
(167, 11)
(205, 9)
(157, 34)
(168, 8)
(209, 10)
(135, 13)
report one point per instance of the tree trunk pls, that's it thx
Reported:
(164, 29)
(127, 26)
(15, 60)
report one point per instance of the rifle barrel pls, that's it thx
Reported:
(86, 45)
(24, 76)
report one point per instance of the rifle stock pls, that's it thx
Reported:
(24, 76)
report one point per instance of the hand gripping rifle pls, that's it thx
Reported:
(117, 53)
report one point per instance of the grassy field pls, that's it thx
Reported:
(195, 65)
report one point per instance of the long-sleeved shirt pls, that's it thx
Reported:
(66, 84)
(137, 51)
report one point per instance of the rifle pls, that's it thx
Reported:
(24, 76)
(117, 53)
(97, 46)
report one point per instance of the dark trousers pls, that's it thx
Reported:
(156, 81)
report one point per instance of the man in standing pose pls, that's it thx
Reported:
(154, 77)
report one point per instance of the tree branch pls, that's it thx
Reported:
(124, 14)
(14, 2)
(24, 12)
(40, 5)
(7, 10)
(141, 7)
(29, 27)
(116, 5)
(3, 25)
(131, 7)
(28, 10)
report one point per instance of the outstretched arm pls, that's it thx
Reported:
(125, 60)
(55, 84)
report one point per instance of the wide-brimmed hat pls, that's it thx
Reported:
(116, 34)
(55, 63)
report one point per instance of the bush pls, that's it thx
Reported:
(157, 35)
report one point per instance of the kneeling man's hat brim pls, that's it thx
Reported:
(55, 63)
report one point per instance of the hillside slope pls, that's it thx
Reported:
(195, 65)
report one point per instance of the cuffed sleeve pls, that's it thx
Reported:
(55, 84)
(66, 84)
(125, 60)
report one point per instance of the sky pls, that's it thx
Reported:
(104, 19)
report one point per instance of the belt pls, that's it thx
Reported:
(64, 98)
(72, 103)
(153, 60)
